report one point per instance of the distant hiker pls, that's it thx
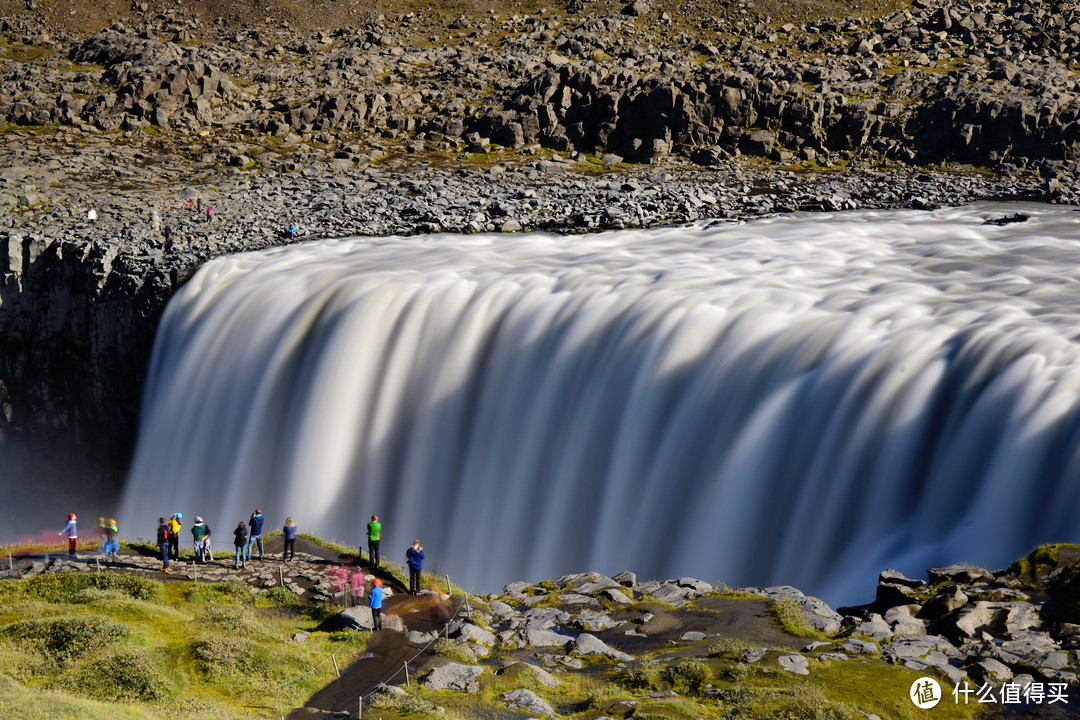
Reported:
(168, 238)
(175, 523)
(209, 213)
(290, 539)
(91, 214)
(198, 205)
(375, 603)
(415, 558)
(101, 532)
(240, 542)
(208, 554)
(374, 535)
(155, 220)
(112, 545)
(71, 533)
(189, 242)
(125, 233)
(199, 532)
(255, 523)
(163, 543)
(291, 232)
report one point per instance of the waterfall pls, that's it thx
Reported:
(804, 400)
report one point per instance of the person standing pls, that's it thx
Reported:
(415, 558)
(240, 541)
(71, 532)
(209, 213)
(112, 545)
(198, 205)
(175, 523)
(375, 603)
(163, 543)
(289, 531)
(374, 535)
(256, 524)
(198, 536)
(208, 553)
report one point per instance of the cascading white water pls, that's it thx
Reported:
(804, 400)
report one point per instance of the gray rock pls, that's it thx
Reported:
(752, 655)
(454, 676)
(587, 644)
(526, 701)
(796, 664)
(474, 634)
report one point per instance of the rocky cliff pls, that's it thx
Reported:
(572, 119)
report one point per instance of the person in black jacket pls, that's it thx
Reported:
(240, 542)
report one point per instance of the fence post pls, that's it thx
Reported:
(334, 658)
(407, 674)
(468, 608)
(360, 714)
(280, 577)
(10, 565)
(448, 585)
(277, 703)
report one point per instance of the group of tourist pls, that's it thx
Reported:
(246, 536)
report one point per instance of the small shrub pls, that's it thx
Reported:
(222, 657)
(811, 704)
(66, 587)
(236, 619)
(221, 593)
(728, 648)
(66, 639)
(132, 676)
(281, 597)
(404, 704)
(455, 650)
(642, 677)
(687, 676)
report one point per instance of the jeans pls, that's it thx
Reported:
(373, 553)
(414, 581)
(290, 549)
(239, 555)
(164, 555)
(251, 541)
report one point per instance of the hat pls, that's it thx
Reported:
(377, 582)
(198, 519)
(179, 516)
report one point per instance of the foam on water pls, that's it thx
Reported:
(806, 399)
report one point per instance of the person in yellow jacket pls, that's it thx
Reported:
(175, 522)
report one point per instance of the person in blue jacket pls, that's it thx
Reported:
(415, 558)
(255, 523)
(289, 531)
(375, 603)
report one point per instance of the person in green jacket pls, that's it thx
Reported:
(374, 535)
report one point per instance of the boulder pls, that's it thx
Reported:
(474, 634)
(454, 676)
(526, 701)
(796, 664)
(587, 644)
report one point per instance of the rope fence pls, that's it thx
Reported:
(387, 677)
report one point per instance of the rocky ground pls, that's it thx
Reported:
(1013, 631)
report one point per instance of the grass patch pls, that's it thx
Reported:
(789, 616)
